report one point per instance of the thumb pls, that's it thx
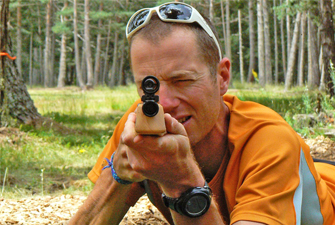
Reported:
(173, 126)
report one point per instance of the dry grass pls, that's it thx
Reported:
(58, 210)
(322, 148)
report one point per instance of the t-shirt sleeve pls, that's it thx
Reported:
(268, 177)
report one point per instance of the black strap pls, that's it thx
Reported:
(148, 191)
(324, 161)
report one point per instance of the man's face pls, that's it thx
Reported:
(187, 90)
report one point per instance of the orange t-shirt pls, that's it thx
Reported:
(270, 177)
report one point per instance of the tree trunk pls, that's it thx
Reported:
(14, 97)
(288, 30)
(105, 72)
(31, 60)
(293, 51)
(268, 64)
(228, 30)
(260, 42)
(223, 28)
(62, 65)
(19, 39)
(313, 56)
(36, 72)
(47, 49)
(83, 65)
(276, 43)
(228, 38)
(76, 46)
(90, 73)
(282, 38)
(123, 79)
(302, 50)
(20, 105)
(240, 46)
(40, 50)
(252, 59)
(211, 10)
(52, 56)
(322, 86)
(327, 42)
(98, 50)
(112, 73)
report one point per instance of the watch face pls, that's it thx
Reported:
(197, 205)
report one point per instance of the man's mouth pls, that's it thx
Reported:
(182, 120)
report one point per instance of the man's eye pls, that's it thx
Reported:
(185, 80)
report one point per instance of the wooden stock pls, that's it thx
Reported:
(150, 125)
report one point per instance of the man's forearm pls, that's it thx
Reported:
(105, 204)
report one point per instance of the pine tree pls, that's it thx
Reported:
(15, 100)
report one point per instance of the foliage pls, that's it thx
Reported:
(61, 28)
(114, 16)
(294, 6)
(101, 15)
(65, 12)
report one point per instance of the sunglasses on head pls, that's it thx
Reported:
(169, 12)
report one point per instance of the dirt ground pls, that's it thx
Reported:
(58, 210)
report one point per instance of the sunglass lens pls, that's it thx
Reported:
(138, 20)
(175, 11)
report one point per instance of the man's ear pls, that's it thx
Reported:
(223, 72)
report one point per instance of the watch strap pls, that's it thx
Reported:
(170, 202)
(176, 203)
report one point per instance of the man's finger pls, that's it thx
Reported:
(173, 126)
(129, 132)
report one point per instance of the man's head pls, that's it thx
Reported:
(157, 23)
(187, 91)
(177, 56)
(185, 58)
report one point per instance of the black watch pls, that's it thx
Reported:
(194, 202)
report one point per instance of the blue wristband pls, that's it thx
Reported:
(115, 176)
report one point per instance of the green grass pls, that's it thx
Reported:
(280, 101)
(288, 104)
(62, 159)
(51, 161)
(76, 102)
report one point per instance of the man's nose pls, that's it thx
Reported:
(168, 98)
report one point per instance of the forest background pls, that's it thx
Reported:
(73, 57)
(82, 42)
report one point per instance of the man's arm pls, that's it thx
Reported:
(106, 204)
(170, 162)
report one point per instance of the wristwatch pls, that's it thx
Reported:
(194, 202)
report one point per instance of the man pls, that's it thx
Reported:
(222, 161)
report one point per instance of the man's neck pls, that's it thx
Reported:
(210, 152)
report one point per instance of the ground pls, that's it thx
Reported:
(322, 148)
(58, 210)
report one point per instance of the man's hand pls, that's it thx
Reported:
(121, 163)
(168, 159)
